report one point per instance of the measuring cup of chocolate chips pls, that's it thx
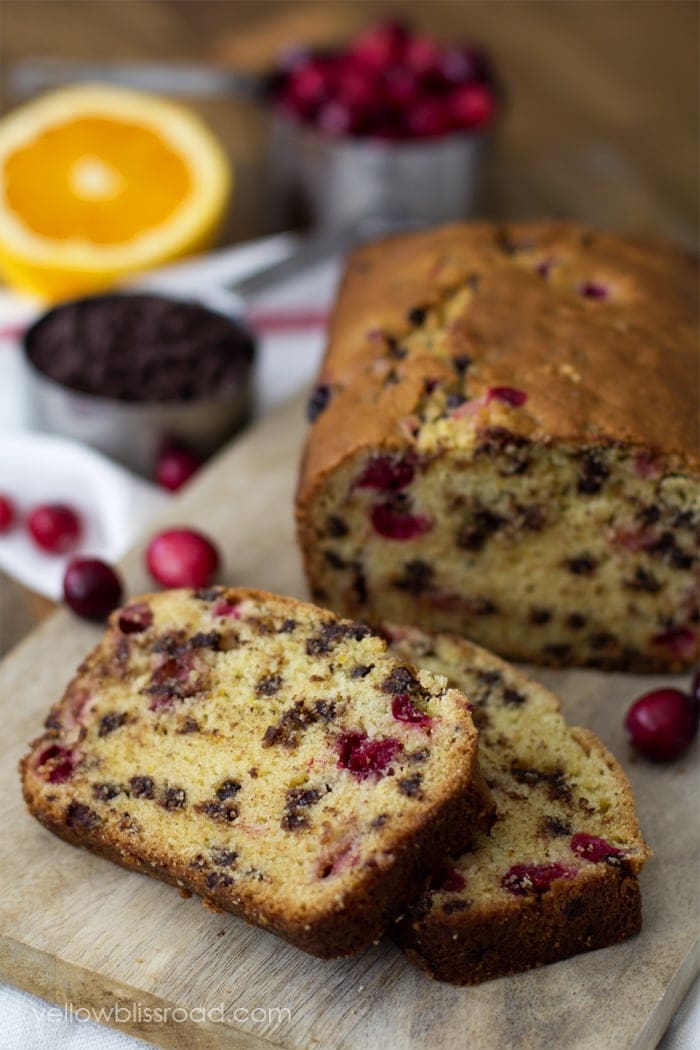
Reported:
(126, 372)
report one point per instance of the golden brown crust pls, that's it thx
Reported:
(575, 918)
(362, 917)
(342, 924)
(625, 373)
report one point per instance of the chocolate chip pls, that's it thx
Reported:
(416, 577)
(287, 627)
(325, 709)
(336, 527)
(208, 594)
(224, 813)
(461, 363)
(512, 697)
(540, 616)
(603, 640)
(417, 315)
(142, 787)
(331, 633)
(361, 670)
(582, 565)
(555, 826)
(105, 792)
(334, 560)
(400, 680)
(224, 858)
(229, 789)
(269, 685)
(110, 722)
(289, 726)
(643, 581)
(557, 650)
(79, 815)
(593, 473)
(555, 781)
(410, 786)
(174, 798)
(473, 536)
(576, 621)
(318, 402)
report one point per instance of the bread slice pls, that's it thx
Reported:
(264, 754)
(557, 875)
(505, 445)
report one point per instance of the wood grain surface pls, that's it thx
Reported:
(75, 929)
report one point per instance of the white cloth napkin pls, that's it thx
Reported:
(37, 467)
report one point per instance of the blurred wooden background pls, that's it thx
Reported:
(603, 94)
(602, 119)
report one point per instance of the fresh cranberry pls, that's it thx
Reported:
(472, 106)
(388, 473)
(593, 290)
(176, 465)
(307, 86)
(525, 879)
(56, 764)
(381, 45)
(422, 54)
(449, 880)
(428, 118)
(336, 118)
(679, 641)
(508, 394)
(400, 88)
(55, 527)
(463, 65)
(662, 724)
(593, 848)
(91, 588)
(135, 618)
(357, 86)
(404, 710)
(647, 465)
(398, 524)
(182, 558)
(364, 757)
(223, 608)
(7, 513)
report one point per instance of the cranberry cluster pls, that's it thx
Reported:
(389, 83)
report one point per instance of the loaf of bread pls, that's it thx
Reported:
(505, 445)
(266, 755)
(557, 875)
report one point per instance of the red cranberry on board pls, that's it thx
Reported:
(662, 724)
(55, 527)
(7, 513)
(182, 558)
(91, 588)
(176, 464)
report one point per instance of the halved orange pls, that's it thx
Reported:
(100, 182)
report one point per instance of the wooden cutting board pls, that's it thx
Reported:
(76, 930)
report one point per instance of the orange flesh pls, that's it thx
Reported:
(85, 180)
